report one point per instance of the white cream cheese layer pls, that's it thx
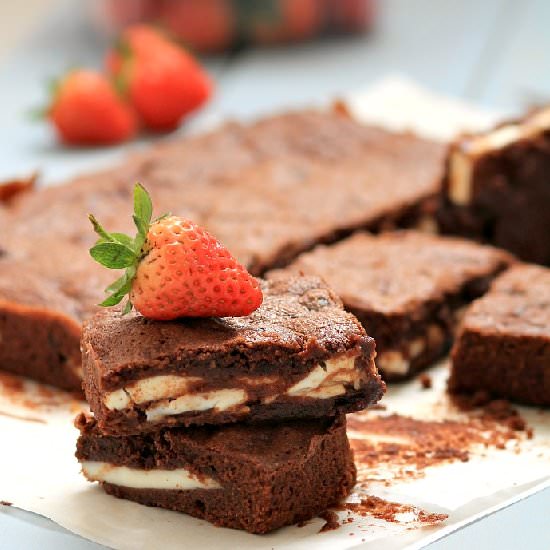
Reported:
(220, 400)
(179, 479)
(323, 383)
(461, 161)
(395, 362)
(168, 394)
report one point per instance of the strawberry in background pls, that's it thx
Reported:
(205, 25)
(86, 110)
(160, 80)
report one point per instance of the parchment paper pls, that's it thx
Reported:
(38, 471)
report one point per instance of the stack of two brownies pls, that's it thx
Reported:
(236, 420)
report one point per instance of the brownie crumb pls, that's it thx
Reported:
(389, 511)
(331, 519)
(403, 447)
(5, 503)
(498, 410)
(425, 381)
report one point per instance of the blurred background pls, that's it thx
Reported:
(266, 55)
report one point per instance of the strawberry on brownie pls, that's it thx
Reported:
(203, 350)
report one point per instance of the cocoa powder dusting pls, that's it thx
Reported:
(36, 397)
(395, 447)
(389, 511)
(489, 409)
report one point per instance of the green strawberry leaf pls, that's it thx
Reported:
(127, 307)
(112, 300)
(117, 296)
(119, 251)
(143, 207)
(113, 255)
(99, 229)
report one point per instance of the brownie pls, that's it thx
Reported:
(256, 478)
(498, 176)
(406, 288)
(503, 347)
(300, 355)
(268, 191)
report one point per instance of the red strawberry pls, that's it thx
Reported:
(138, 40)
(162, 81)
(174, 268)
(87, 111)
(205, 25)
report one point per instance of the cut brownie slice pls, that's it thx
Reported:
(406, 288)
(503, 346)
(267, 191)
(256, 478)
(299, 355)
(499, 176)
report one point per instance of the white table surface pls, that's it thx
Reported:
(493, 52)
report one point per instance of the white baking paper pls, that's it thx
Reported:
(38, 471)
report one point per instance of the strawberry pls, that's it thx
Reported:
(161, 81)
(86, 110)
(173, 268)
(205, 25)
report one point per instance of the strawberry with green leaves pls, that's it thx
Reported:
(173, 268)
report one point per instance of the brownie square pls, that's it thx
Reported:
(498, 176)
(503, 346)
(256, 478)
(268, 191)
(300, 355)
(407, 289)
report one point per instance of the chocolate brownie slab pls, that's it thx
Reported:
(503, 346)
(299, 355)
(256, 478)
(267, 191)
(499, 176)
(406, 288)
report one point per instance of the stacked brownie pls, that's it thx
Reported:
(240, 421)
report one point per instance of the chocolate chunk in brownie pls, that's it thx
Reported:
(267, 191)
(503, 346)
(496, 187)
(406, 288)
(300, 355)
(256, 478)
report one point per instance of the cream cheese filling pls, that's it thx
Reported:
(180, 479)
(395, 361)
(168, 394)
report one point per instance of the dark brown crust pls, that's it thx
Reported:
(509, 183)
(397, 284)
(300, 325)
(271, 475)
(268, 191)
(503, 346)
